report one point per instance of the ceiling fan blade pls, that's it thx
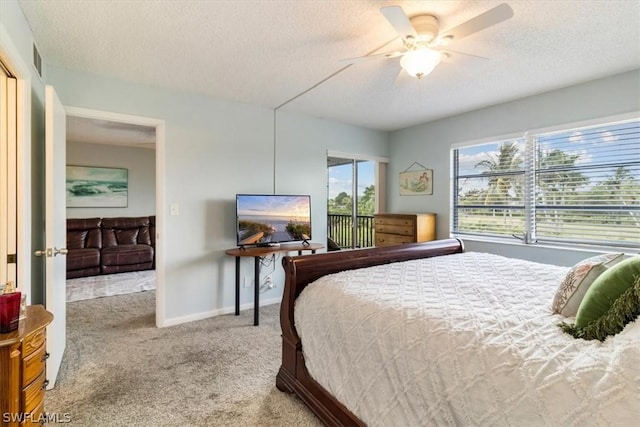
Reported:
(399, 21)
(376, 56)
(484, 20)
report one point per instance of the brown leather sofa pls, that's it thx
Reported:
(110, 245)
(84, 242)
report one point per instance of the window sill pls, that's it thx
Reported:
(574, 248)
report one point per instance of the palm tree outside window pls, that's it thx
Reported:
(579, 186)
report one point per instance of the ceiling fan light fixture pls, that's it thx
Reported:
(420, 62)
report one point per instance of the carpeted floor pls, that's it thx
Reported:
(120, 370)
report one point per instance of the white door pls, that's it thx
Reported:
(55, 231)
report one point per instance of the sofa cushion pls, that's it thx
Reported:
(127, 237)
(83, 223)
(79, 259)
(126, 254)
(125, 231)
(76, 239)
(84, 233)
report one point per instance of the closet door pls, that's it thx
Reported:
(8, 184)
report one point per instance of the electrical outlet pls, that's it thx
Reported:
(247, 282)
(267, 282)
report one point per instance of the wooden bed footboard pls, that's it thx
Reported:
(293, 376)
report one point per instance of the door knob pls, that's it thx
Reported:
(60, 251)
(43, 252)
(51, 252)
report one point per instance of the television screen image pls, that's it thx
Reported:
(263, 219)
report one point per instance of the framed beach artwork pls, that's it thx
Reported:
(416, 183)
(97, 187)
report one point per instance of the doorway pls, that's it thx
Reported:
(354, 189)
(106, 132)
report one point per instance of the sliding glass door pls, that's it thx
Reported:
(351, 202)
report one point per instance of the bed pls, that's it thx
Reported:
(370, 338)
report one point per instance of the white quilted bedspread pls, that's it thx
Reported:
(477, 347)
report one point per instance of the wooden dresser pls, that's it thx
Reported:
(22, 370)
(396, 229)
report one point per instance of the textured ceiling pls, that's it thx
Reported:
(95, 131)
(267, 52)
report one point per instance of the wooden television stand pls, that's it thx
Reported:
(258, 253)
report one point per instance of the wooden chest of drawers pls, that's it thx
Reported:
(22, 370)
(397, 229)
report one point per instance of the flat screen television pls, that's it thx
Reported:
(269, 219)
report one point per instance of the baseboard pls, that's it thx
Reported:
(217, 312)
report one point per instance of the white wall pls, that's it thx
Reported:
(215, 149)
(430, 144)
(141, 166)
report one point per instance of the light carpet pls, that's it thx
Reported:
(120, 370)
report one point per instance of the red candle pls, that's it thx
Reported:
(9, 311)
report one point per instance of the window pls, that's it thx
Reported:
(578, 186)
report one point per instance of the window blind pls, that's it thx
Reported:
(577, 186)
(587, 185)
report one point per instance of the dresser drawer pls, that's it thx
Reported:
(33, 342)
(395, 221)
(37, 417)
(33, 365)
(400, 228)
(33, 395)
(383, 239)
(403, 230)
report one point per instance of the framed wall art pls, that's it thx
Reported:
(97, 187)
(416, 183)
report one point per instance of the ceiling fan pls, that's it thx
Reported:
(424, 44)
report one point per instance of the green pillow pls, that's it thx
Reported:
(624, 310)
(606, 289)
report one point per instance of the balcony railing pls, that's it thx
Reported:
(340, 230)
